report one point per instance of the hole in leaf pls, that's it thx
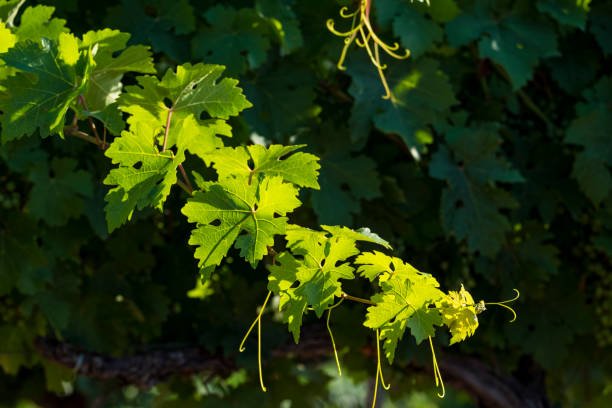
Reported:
(391, 267)
(251, 164)
(255, 207)
(168, 103)
(137, 165)
(295, 284)
(215, 223)
(323, 262)
(459, 204)
(204, 116)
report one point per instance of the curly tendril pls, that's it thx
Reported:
(504, 304)
(362, 34)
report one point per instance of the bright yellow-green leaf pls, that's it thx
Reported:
(234, 206)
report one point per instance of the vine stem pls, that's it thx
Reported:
(187, 184)
(167, 130)
(184, 186)
(74, 131)
(92, 125)
(357, 299)
(527, 101)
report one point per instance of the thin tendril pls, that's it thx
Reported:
(241, 348)
(383, 79)
(362, 36)
(344, 10)
(503, 304)
(437, 373)
(379, 365)
(331, 336)
(261, 383)
(347, 44)
(375, 394)
(506, 307)
(330, 26)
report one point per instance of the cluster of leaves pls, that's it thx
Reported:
(55, 83)
(491, 167)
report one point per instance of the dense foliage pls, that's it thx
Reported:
(487, 165)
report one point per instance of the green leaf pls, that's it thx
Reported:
(190, 92)
(281, 104)
(299, 168)
(366, 91)
(39, 96)
(237, 39)
(422, 323)
(590, 130)
(569, 12)
(59, 192)
(344, 180)
(56, 310)
(577, 67)
(404, 301)
(363, 234)
(36, 23)
(283, 275)
(19, 253)
(105, 85)
(233, 206)
(7, 38)
(458, 312)
(284, 22)
(57, 376)
(471, 202)
(7, 41)
(160, 23)
(15, 346)
(416, 33)
(313, 279)
(424, 96)
(600, 25)
(516, 42)
(144, 176)
(376, 265)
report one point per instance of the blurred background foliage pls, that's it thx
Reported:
(492, 170)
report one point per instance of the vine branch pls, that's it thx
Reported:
(483, 382)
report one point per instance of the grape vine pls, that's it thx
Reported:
(58, 84)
